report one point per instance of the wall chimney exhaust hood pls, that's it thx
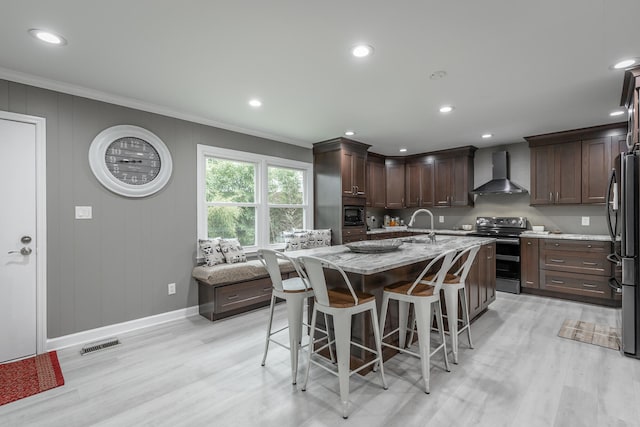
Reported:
(500, 184)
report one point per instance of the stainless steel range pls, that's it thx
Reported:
(507, 232)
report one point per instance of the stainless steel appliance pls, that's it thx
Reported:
(507, 232)
(353, 215)
(630, 251)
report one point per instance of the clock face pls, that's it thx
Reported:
(133, 161)
(130, 161)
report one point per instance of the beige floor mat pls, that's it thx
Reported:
(590, 333)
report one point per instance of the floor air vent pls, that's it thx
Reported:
(99, 345)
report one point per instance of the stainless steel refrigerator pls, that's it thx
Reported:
(630, 251)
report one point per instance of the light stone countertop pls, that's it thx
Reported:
(406, 254)
(595, 237)
(422, 230)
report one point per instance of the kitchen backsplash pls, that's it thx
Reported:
(567, 219)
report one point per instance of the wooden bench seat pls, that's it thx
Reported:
(228, 289)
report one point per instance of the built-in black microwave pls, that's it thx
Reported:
(353, 215)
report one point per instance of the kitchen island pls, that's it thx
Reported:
(372, 272)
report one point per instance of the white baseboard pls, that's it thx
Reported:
(119, 328)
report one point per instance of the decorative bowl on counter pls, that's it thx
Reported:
(467, 227)
(374, 246)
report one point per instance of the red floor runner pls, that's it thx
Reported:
(29, 376)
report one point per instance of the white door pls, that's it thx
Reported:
(18, 313)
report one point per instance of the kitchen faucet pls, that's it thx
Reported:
(432, 234)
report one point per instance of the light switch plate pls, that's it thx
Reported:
(84, 212)
(441, 218)
(585, 220)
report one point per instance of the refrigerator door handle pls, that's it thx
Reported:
(615, 285)
(611, 205)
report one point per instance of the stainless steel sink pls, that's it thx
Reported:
(414, 240)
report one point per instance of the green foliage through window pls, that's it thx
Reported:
(244, 196)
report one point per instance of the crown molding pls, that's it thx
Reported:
(71, 89)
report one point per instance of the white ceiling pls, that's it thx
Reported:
(515, 68)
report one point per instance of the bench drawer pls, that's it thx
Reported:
(240, 295)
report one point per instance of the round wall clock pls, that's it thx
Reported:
(130, 161)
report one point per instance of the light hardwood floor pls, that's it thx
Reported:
(194, 372)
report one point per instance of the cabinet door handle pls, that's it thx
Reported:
(556, 244)
(557, 260)
(589, 246)
(233, 297)
(588, 285)
(266, 289)
(550, 196)
(559, 282)
(528, 243)
(589, 263)
(557, 196)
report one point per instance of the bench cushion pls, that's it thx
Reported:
(223, 274)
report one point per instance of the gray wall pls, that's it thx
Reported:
(116, 267)
(564, 218)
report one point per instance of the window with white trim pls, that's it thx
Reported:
(251, 197)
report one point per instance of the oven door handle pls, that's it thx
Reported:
(507, 241)
(508, 257)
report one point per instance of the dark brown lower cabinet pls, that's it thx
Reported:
(569, 269)
(529, 268)
(353, 234)
(481, 283)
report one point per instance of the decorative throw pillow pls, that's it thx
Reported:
(296, 240)
(318, 238)
(232, 251)
(212, 251)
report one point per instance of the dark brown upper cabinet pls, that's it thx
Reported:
(573, 167)
(376, 185)
(453, 177)
(394, 178)
(354, 170)
(419, 182)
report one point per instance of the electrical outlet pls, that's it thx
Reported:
(171, 288)
(440, 218)
(585, 220)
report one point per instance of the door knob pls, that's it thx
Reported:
(23, 251)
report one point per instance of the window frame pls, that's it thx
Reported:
(262, 163)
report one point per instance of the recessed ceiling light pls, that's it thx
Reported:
(487, 135)
(437, 75)
(362, 50)
(446, 109)
(616, 113)
(625, 63)
(349, 133)
(403, 150)
(48, 37)
(255, 103)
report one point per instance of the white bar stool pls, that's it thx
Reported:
(341, 304)
(295, 292)
(424, 295)
(454, 292)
